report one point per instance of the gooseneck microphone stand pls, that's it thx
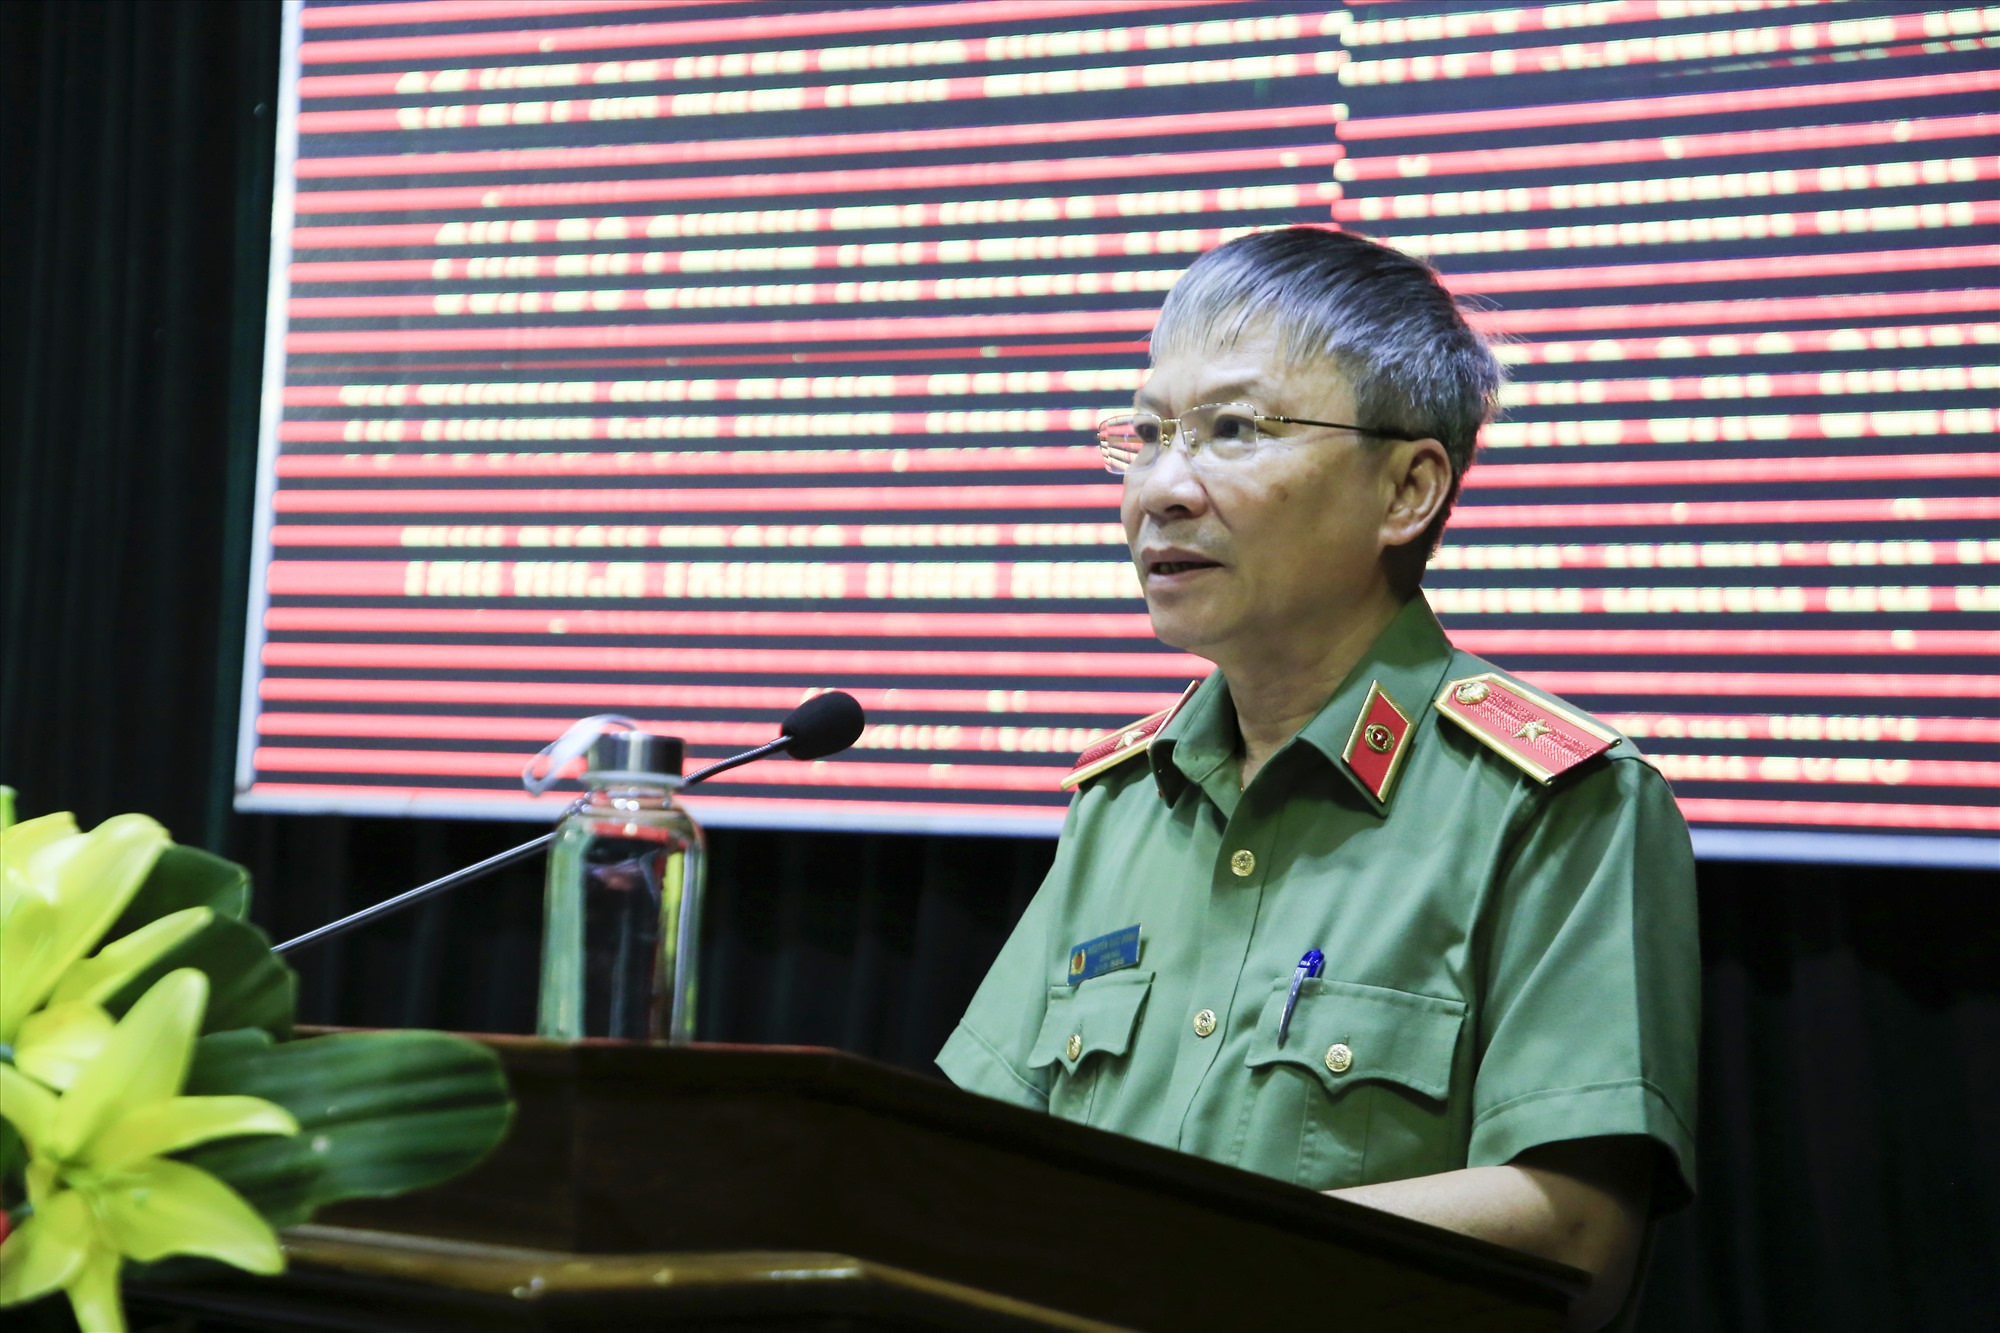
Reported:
(823, 725)
(390, 906)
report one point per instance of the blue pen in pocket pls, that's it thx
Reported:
(1309, 966)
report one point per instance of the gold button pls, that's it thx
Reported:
(1075, 1047)
(1243, 862)
(1472, 692)
(1204, 1022)
(1339, 1058)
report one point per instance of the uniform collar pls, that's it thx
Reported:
(1407, 662)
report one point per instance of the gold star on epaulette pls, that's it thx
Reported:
(1114, 749)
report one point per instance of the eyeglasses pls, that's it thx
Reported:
(1225, 432)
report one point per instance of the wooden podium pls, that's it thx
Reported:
(721, 1187)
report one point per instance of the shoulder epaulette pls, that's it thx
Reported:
(1114, 749)
(1538, 737)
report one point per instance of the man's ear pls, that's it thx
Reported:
(1419, 474)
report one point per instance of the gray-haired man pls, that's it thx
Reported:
(1413, 932)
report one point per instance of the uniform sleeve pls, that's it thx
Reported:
(1592, 1009)
(987, 1052)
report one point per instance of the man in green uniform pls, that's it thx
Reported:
(1361, 912)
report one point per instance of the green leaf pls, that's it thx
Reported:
(13, 1161)
(249, 986)
(379, 1113)
(186, 877)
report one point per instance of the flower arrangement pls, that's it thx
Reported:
(152, 1100)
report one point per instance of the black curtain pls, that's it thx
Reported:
(1849, 1155)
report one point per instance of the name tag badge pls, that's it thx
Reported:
(1106, 953)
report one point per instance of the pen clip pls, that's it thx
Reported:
(1309, 966)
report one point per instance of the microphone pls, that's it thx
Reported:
(824, 724)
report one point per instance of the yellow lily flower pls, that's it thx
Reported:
(60, 890)
(101, 1185)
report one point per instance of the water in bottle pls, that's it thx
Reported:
(623, 909)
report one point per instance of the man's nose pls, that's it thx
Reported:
(1171, 484)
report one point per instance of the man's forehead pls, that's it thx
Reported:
(1189, 376)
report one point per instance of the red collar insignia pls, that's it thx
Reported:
(1376, 746)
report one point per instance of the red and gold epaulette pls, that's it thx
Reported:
(1114, 749)
(1542, 740)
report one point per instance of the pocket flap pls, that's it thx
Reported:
(1347, 1033)
(1096, 1017)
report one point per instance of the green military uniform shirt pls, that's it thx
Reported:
(1507, 963)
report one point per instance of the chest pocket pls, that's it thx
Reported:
(1085, 1028)
(1360, 1090)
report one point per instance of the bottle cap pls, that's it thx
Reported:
(636, 756)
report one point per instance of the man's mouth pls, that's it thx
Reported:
(1178, 564)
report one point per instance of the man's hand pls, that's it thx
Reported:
(1582, 1203)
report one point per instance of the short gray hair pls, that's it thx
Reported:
(1383, 318)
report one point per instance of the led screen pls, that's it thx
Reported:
(682, 360)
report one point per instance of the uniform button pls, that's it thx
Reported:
(1204, 1022)
(1243, 862)
(1339, 1058)
(1075, 1047)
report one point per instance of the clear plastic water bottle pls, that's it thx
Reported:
(623, 908)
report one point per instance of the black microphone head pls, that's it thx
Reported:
(824, 724)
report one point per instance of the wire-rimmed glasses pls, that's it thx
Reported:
(1225, 432)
